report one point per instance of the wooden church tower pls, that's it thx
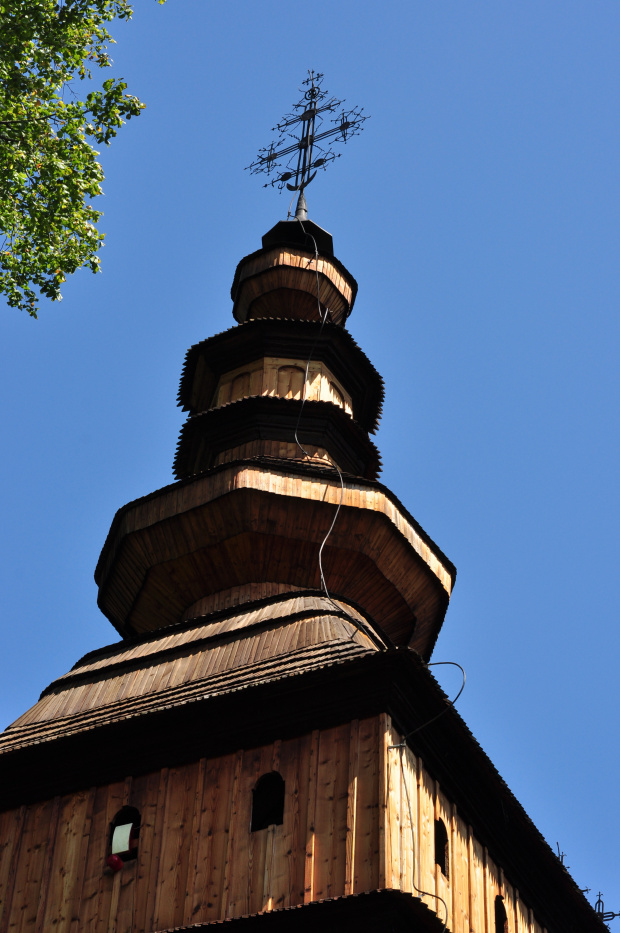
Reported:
(265, 747)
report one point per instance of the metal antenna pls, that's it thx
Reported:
(296, 164)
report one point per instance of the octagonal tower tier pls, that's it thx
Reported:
(280, 409)
(280, 280)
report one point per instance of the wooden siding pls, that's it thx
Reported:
(244, 524)
(280, 450)
(241, 347)
(208, 651)
(465, 899)
(271, 283)
(358, 816)
(284, 378)
(236, 596)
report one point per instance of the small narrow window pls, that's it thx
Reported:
(268, 801)
(442, 852)
(501, 917)
(124, 832)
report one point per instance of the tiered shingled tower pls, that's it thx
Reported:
(265, 745)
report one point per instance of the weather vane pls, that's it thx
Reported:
(295, 164)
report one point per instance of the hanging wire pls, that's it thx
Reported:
(448, 705)
(418, 890)
(288, 213)
(401, 748)
(323, 318)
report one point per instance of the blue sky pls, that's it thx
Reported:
(479, 213)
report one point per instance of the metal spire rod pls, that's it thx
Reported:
(294, 164)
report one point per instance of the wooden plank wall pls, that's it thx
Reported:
(411, 802)
(283, 378)
(359, 815)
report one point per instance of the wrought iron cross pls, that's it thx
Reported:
(605, 915)
(296, 164)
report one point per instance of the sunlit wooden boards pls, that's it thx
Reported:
(287, 282)
(256, 346)
(319, 424)
(358, 817)
(242, 523)
(360, 813)
(282, 635)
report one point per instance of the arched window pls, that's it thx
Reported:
(442, 851)
(290, 381)
(268, 801)
(124, 832)
(501, 917)
(240, 387)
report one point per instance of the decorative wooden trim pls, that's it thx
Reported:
(245, 344)
(287, 267)
(206, 435)
(395, 681)
(376, 553)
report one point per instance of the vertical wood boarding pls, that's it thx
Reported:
(215, 826)
(330, 822)
(523, 916)
(312, 792)
(443, 884)
(492, 887)
(196, 842)
(426, 832)
(509, 904)
(230, 838)
(391, 806)
(64, 879)
(294, 764)
(283, 863)
(85, 829)
(476, 885)
(349, 877)
(146, 792)
(367, 844)
(157, 837)
(460, 875)
(408, 827)
(249, 894)
(11, 827)
(121, 919)
(30, 866)
(350, 802)
(274, 876)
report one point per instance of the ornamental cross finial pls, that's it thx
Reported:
(296, 164)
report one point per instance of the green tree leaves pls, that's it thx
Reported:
(49, 171)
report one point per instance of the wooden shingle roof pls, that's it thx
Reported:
(216, 653)
(241, 345)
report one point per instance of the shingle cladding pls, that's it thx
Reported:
(210, 655)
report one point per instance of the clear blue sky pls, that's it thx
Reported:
(479, 213)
